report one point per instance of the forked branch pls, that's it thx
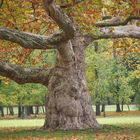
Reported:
(24, 75)
(62, 20)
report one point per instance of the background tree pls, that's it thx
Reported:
(113, 83)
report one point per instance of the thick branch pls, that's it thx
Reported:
(129, 31)
(116, 21)
(62, 20)
(29, 40)
(24, 75)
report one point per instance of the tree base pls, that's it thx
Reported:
(73, 126)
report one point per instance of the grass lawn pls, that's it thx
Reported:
(108, 132)
(39, 122)
(116, 126)
(122, 126)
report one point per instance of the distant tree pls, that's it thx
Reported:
(113, 81)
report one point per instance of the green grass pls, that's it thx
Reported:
(110, 132)
(114, 128)
(21, 123)
(39, 122)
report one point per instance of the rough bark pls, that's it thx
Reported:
(68, 103)
(116, 21)
(129, 31)
(62, 20)
(24, 75)
(30, 40)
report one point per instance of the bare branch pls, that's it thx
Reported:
(116, 21)
(62, 20)
(129, 31)
(29, 40)
(24, 75)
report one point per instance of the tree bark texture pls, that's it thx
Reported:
(68, 102)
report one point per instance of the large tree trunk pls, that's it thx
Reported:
(69, 105)
(68, 102)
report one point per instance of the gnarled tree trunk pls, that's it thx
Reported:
(69, 104)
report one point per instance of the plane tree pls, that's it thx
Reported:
(68, 104)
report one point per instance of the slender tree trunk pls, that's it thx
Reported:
(30, 110)
(19, 111)
(118, 109)
(108, 101)
(103, 108)
(98, 111)
(128, 107)
(24, 114)
(36, 111)
(68, 103)
(43, 111)
(11, 110)
(104, 113)
(2, 111)
(7, 110)
(122, 104)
